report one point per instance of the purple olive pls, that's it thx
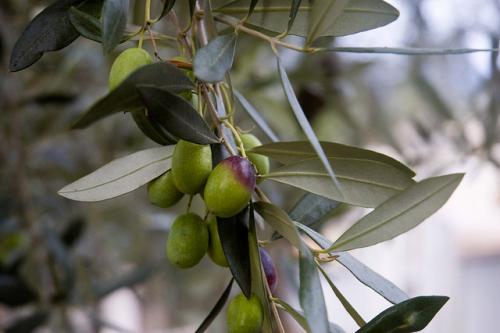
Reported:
(269, 270)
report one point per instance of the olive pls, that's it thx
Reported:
(191, 166)
(229, 186)
(269, 270)
(261, 162)
(162, 191)
(187, 241)
(244, 315)
(215, 250)
(127, 62)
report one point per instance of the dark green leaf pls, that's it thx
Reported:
(363, 273)
(51, 30)
(412, 315)
(114, 20)
(251, 8)
(306, 127)
(345, 303)
(256, 116)
(212, 62)
(399, 214)
(216, 309)
(151, 129)
(294, 151)
(87, 25)
(406, 51)
(364, 183)
(28, 323)
(126, 97)
(192, 6)
(176, 115)
(233, 233)
(311, 293)
(120, 176)
(73, 231)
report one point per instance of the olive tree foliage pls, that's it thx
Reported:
(207, 35)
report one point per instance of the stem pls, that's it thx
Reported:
(238, 26)
(236, 136)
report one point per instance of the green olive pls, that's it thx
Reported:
(229, 186)
(187, 241)
(191, 166)
(261, 162)
(215, 250)
(127, 62)
(162, 191)
(244, 315)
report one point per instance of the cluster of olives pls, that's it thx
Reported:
(226, 191)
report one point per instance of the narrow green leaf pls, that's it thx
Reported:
(323, 15)
(192, 6)
(256, 116)
(345, 303)
(310, 209)
(364, 183)
(279, 221)
(294, 151)
(363, 273)
(311, 295)
(306, 127)
(167, 7)
(126, 97)
(294, 10)
(412, 315)
(299, 318)
(151, 129)
(274, 16)
(120, 176)
(259, 280)
(233, 233)
(51, 30)
(399, 214)
(212, 62)
(176, 115)
(251, 8)
(114, 20)
(406, 51)
(216, 309)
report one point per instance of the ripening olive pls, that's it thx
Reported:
(215, 250)
(244, 315)
(187, 241)
(191, 165)
(162, 191)
(269, 270)
(261, 162)
(229, 186)
(127, 62)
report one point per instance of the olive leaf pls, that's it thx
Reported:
(405, 51)
(120, 176)
(233, 233)
(114, 20)
(324, 14)
(294, 10)
(364, 183)
(51, 30)
(214, 60)
(399, 214)
(294, 151)
(126, 97)
(216, 309)
(256, 116)
(152, 129)
(306, 127)
(176, 115)
(412, 315)
(167, 7)
(363, 273)
(310, 291)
